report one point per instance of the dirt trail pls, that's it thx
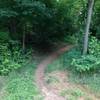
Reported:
(63, 84)
(48, 93)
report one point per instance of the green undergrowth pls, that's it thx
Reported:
(72, 94)
(89, 79)
(20, 85)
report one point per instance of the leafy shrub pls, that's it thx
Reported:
(70, 39)
(4, 37)
(6, 62)
(86, 63)
(94, 46)
(89, 62)
(10, 58)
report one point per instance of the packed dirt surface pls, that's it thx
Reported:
(59, 82)
(52, 91)
(48, 93)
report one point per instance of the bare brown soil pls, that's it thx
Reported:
(52, 91)
(49, 94)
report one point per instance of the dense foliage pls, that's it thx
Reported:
(40, 20)
(42, 25)
(90, 62)
(11, 56)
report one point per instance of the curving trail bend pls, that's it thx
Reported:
(48, 93)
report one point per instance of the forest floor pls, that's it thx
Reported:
(55, 85)
(48, 93)
(36, 81)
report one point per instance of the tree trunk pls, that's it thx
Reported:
(23, 38)
(23, 41)
(86, 35)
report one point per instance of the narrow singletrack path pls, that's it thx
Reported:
(48, 93)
